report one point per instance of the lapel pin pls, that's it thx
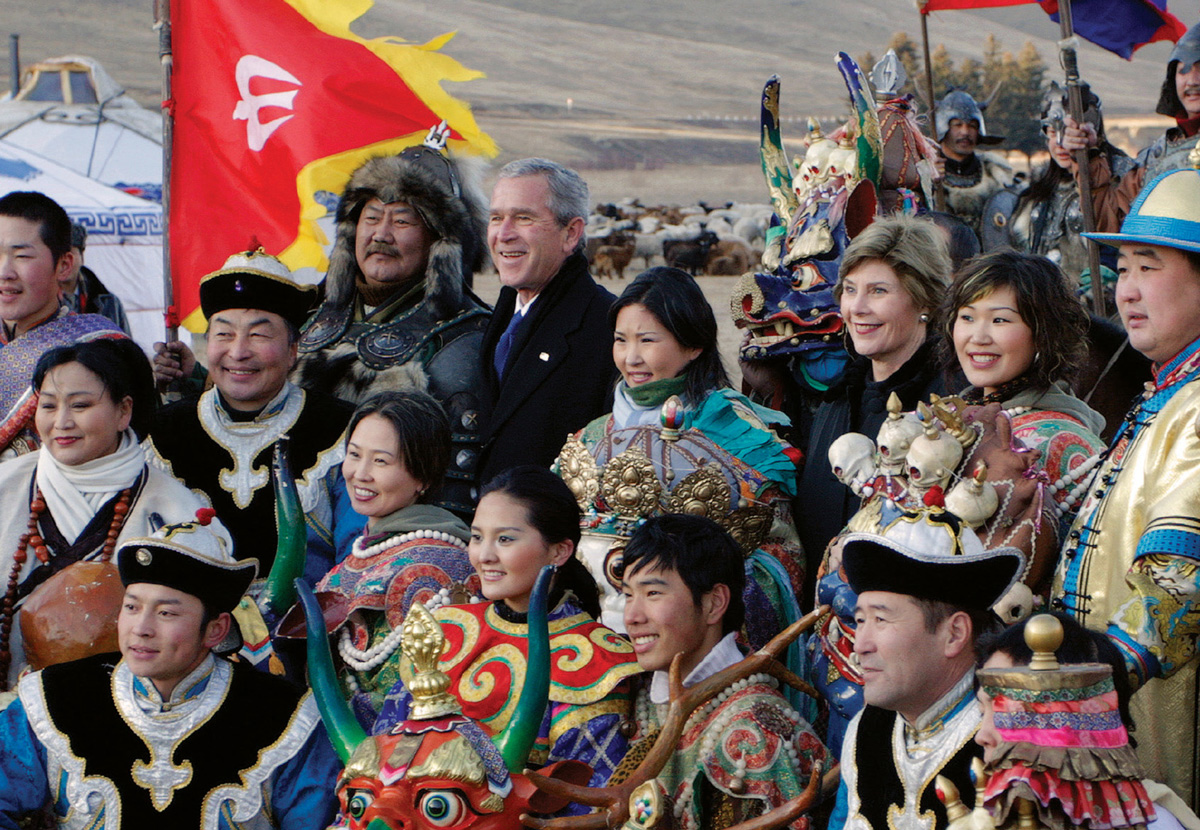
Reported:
(544, 356)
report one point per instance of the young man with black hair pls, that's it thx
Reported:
(35, 254)
(750, 752)
(166, 733)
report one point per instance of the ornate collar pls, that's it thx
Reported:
(935, 718)
(162, 729)
(245, 440)
(189, 688)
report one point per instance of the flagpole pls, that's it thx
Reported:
(167, 60)
(939, 194)
(1067, 55)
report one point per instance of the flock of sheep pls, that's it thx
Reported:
(700, 239)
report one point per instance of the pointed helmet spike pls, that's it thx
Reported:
(423, 643)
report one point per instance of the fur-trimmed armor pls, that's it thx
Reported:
(425, 336)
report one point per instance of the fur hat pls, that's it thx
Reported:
(453, 208)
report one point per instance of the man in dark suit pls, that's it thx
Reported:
(547, 352)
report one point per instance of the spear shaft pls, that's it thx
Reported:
(1070, 64)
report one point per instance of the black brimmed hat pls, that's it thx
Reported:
(190, 558)
(255, 279)
(931, 556)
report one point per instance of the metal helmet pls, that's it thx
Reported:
(959, 104)
(1185, 53)
(888, 75)
(1056, 106)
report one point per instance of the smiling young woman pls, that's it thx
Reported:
(397, 451)
(89, 486)
(528, 518)
(1017, 332)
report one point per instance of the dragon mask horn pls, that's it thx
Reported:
(517, 739)
(345, 733)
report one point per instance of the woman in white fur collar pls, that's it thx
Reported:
(87, 488)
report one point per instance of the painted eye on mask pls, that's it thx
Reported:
(442, 808)
(614, 566)
(358, 802)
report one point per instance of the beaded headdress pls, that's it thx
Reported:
(634, 473)
(1063, 743)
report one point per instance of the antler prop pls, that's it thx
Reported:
(787, 812)
(614, 801)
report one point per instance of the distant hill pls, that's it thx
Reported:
(652, 83)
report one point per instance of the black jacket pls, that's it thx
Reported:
(560, 373)
(856, 404)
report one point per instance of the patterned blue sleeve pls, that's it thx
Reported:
(394, 709)
(304, 788)
(598, 743)
(23, 784)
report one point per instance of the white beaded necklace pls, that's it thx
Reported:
(403, 539)
(369, 659)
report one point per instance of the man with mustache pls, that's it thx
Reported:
(1112, 192)
(398, 312)
(970, 177)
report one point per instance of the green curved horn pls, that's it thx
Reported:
(345, 732)
(278, 595)
(517, 739)
(869, 141)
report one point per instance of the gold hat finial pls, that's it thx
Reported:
(423, 643)
(1043, 635)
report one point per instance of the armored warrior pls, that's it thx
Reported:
(1114, 189)
(398, 311)
(971, 177)
(165, 734)
(1045, 217)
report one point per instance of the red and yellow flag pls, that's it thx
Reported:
(276, 102)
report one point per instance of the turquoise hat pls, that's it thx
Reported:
(1166, 212)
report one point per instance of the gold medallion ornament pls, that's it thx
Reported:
(144, 557)
(578, 470)
(629, 484)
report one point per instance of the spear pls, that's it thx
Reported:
(162, 22)
(1070, 63)
(939, 193)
